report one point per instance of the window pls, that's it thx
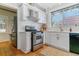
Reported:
(71, 12)
(67, 16)
(71, 16)
(2, 24)
(57, 18)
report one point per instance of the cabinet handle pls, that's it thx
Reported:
(57, 36)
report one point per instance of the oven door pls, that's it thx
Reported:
(37, 39)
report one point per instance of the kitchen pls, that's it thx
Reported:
(57, 36)
(47, 26)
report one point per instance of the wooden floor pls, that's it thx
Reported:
(6, 49)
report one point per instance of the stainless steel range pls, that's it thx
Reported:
(36, 40)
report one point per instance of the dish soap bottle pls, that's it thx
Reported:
(70, 29)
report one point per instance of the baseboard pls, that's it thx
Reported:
(57, 47)
(8, 40)
(26, 52)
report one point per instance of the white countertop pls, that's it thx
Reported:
(62, 32)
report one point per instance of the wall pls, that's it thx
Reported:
(54, 9)
(4, 36)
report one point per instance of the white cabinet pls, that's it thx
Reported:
(28, 41)
(42, 17)
(25, 41)
(55, 39)
(24, 11)
(64, 41)
(59, 40)
(47, 38)
(50, 38)
(32, 13)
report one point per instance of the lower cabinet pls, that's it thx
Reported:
(59, 40)
(25, 41)
(63, 41)
(51, 39)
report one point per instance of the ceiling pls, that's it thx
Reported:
(48, 5)
(52, 5)
(42, 6)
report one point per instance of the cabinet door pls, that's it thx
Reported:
(47, 38)
(22, 40)
(51, 38)
(25, 11)
(28, 41)
(54, 40)
(63, 42)
(25, 42)
(42, 17)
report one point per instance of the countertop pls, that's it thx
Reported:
(62, 32)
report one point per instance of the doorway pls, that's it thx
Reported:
(7, 24)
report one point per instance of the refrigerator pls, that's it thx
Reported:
(13, 35)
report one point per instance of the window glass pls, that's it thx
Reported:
(68, 16)
(2, 23)
(57, 18)
(71, 12)
(71, 16)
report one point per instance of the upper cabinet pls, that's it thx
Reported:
(42, 17)
(23, 10)
(32, 13)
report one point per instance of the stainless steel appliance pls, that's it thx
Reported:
(74, 42)
(36, 40)
(13, 35)
(29, 28)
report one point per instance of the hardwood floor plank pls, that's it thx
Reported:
(6, 49)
